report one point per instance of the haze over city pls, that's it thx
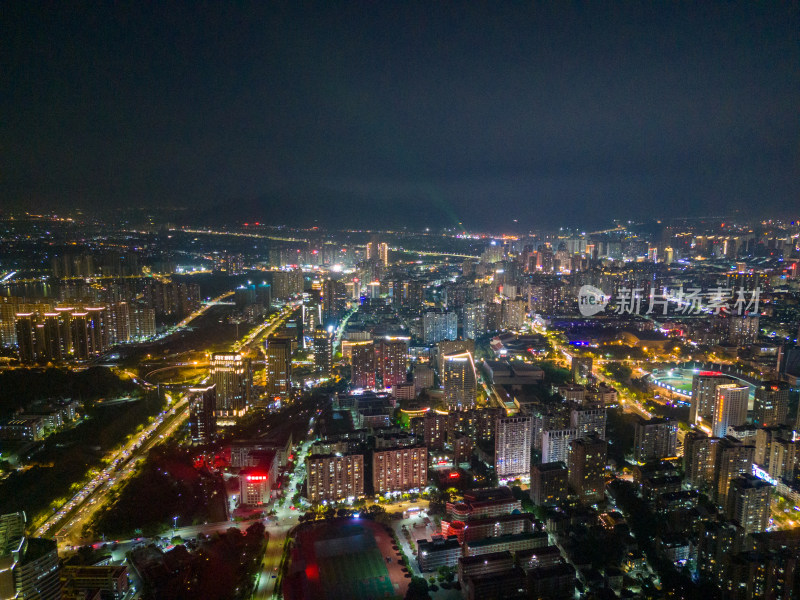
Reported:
(399, 301)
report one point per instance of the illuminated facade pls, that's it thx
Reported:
(230, 375)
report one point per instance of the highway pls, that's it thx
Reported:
(121, 464)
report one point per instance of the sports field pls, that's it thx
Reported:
(347, 559)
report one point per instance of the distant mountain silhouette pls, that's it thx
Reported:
(326, 209)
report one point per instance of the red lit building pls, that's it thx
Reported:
(255, 486)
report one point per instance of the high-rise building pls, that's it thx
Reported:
(12, 530)
(438, 326)
(287, 283)
(587, 466)
(654, 439)
(743, 330)
(391, 358)
(704, 395)
(555, 444)
(399, 469)
(334, 301)
(771, 404)
(446, 347)
(378, 252)
(474, 320)
(588, 420)
(512, 447)
(323, 352)
(26, 337)
(37, 571)
(230, 375)
(202, 422)
(549, 483)
(581, 369)
(460, 381)
(423, 378)
(363, 366)
(279, 368)
(748, 503)
(730, 408)
(334, 478)
(513, 313)
(732, 460)
(435, 429)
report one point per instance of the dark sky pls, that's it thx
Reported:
(396, 112)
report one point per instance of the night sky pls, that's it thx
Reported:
(403, 114)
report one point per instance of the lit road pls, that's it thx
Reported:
(286, 519)
(79, 509)
(628, 404)
(265, 328)
(203, 308)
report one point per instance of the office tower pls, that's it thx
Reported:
(399, 469)
(512, 447)
(581, 369)
(555, 444)
(323, 352)
(230, 375)
(438, 326)
(423, 378)
(37, 571)
(279, 368)
(743, 330)
(654, 439)
(474, 320)
(748, 503)
(255, 486)
(588, 420)
(12, 530)
(730, 408)
(26, 337)
(460, 381)
(704, 395)
(733, 459)
(549, 483)
(202, 422)
(363, 366)
(771, 404)
(334, 301)
(391, 358)
(334, 478)
(587, 467)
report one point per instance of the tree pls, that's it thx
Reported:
(417, 589)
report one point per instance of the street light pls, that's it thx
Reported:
(174, 523)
